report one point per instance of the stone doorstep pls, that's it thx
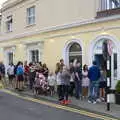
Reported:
(99, 108)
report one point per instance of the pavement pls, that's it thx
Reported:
(99, 108)
(14, 107)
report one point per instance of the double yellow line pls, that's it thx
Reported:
(70, 109)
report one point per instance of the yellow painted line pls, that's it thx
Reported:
(70, 109)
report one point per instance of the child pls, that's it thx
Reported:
(51, 81)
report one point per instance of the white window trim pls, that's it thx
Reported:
(5, 52)
(29, 49)
(66, 49)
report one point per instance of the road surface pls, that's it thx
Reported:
(15, 108)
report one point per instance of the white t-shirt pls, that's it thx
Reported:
(59, 79)
(10, 70)
(51, 80)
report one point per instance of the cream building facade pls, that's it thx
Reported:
(37, 30)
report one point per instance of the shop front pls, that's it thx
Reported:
(97, 55)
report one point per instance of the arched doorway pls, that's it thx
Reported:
(72, 51)
(97, 55)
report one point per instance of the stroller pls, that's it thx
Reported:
(41, 85)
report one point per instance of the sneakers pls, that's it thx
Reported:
(103, 99)
(98, 100)
(69, 101)
(94, 102)
(89, 101)
(65, 102)
(62, 102)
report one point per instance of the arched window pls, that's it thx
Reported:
(75, 47)
(75, 52)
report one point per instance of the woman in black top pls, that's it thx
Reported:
(45, 71)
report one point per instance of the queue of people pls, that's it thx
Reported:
(73, 80)
(83, 83)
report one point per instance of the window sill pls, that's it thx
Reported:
(30, 25)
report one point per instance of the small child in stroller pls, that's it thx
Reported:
(41, 85)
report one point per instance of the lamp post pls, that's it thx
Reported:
(107, 51)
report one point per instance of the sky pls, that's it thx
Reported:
(1, 1)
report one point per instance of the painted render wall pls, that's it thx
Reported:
(49, 13)
(54, 42)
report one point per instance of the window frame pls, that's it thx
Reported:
(109, 4)
(9, 23)
(35, 57)
(30, 16)
(10, 57)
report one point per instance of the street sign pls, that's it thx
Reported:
(110, 47)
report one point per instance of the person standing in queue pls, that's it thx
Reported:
(59, 84)
(78, 80)
(102, 83)
(62, 63)
(94, 75)
(45, 71)
(66, 84)
(51, 80)
(16, 78)
(32, 74)
(85, 81)
(2, 74)
(20, 76)
(57, 68)
(26, 72)
(72, 83)
(10, 73)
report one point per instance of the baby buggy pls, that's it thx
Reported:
(41, 85)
